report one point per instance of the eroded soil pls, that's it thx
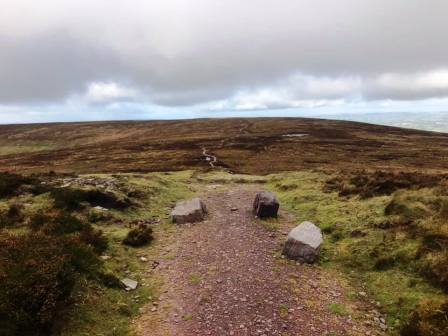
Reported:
(226, 276)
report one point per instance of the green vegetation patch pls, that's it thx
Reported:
(393, 241)
(338, 309)
(61, 252)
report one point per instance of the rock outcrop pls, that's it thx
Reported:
(304, 242)
(190, 211)
(265, 205)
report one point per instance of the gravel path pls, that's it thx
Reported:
(226, 276)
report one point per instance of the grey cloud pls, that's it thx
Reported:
(49, 67)
(186, 52)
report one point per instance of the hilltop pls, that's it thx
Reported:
(252, 146)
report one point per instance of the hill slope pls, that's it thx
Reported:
(256, 146)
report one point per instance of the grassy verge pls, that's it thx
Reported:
(160, 191)
(383, 260)
(95, 308)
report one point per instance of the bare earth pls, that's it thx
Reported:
(226, 276)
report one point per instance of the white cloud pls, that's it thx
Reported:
(108, 93)
(409, 86)
(297, 91)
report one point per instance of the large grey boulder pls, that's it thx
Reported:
(265, 205)
(304, 242)
(190, 211)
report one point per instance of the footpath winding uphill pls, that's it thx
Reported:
(225, 276)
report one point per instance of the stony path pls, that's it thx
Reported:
(225, 276)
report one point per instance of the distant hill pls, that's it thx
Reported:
(259, 146)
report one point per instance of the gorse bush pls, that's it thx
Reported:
(139, 236)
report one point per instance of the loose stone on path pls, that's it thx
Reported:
(304, 242)
(190, 211)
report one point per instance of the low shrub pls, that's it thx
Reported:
(109, 280)
(95, 239)
(37, 221)
(37, 276)
(72, 199)
(429, 319)
(407, 210)
(11, 215)
(139, 236)
(68, 198)
(66, 224)
(106, 199)
(97, 215)
(443, 212)
(379, 183)
(434, 267)
(11, 183)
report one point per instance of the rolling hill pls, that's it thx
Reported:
(255, 146)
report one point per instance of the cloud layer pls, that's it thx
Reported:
(226, 54)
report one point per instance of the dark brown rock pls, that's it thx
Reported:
(265, 205)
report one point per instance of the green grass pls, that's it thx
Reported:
(160, 191)
(338, 309)
(99, 310)
(384, 261)
(380, 260)
(270, 224)
(283, 310)
(194, 279)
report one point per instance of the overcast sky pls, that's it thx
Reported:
(134, 59)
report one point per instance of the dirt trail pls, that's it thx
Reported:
(225, 276)
(211, 159)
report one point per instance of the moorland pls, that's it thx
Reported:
(250, 146)
(83, 205)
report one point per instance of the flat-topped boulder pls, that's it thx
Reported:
(190, 211)
(304, 242)
(265, 205)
